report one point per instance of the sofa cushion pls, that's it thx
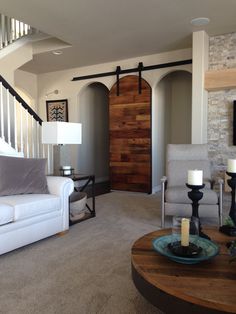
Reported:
(22, 176)
(177, 194)
(6, 214)
(30, 205)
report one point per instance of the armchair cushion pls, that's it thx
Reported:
(177, 171)
(22, 176)
(179, 194)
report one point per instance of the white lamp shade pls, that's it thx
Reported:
(61, 133)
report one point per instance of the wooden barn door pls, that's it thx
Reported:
(130, 135)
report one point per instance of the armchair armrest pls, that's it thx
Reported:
(62, 187)
(163, 187)
(163, 179)
(221, 182)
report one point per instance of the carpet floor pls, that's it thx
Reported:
(88, 269)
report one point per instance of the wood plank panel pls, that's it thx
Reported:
(220, 79)
(130, 136)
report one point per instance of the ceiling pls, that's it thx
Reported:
(108, 30)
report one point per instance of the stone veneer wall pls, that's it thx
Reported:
(222, 55)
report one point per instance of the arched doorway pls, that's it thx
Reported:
(93, 153)
(173, 116)
(130, 135)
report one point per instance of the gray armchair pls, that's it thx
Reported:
(175, 201)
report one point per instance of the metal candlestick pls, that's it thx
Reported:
(195, 196)
(232, 184)
(231, 230)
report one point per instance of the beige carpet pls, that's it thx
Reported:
(87, 270)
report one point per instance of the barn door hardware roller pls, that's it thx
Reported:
(118, 70)
(140, 68)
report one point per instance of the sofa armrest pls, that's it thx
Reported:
(62, 187)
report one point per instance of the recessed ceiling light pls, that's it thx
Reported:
(57, 52)
(200, 21)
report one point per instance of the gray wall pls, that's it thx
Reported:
(173, 97)
(93, 153)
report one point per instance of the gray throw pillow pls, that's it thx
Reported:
(22, 176)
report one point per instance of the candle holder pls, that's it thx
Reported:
(195, 196)
(231, 230)
(191, 250)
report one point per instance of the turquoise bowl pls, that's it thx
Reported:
(209, 250)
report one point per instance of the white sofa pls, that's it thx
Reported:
(27, 218)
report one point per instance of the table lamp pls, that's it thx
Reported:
(59, 134)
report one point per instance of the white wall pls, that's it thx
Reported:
(180, 119)
(93, 153)
(27, 86)
(172, 117)
(199, 95)
(13, 57)
(61, 80)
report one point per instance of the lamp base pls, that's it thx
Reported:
(61, 158)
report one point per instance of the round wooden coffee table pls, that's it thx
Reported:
(208, 287)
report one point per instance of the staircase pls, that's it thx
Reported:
(11, 30)
(20, 127)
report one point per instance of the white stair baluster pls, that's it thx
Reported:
(8, 119)
(1, 33)
(27, 134)
(2, 113)
(9, 30)
(15, 123)
(37, 138)
(3, 29)
(32, 137)
(21, 130)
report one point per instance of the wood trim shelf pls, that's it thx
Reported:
(220, 79)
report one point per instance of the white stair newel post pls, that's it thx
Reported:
(8, 119)
(2, 114)
(15, 123)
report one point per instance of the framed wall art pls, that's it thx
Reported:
(57, 110)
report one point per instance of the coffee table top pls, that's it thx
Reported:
(210, 284)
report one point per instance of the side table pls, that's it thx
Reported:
(88, 179)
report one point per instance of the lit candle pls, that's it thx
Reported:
(185, 232)
(195, 177)
(231, 165)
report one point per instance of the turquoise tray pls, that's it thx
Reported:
(209, 250)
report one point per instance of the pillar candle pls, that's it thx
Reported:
(185, 232)
(66, 170)
(231, 167)
(195, 177)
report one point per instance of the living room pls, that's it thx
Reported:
(86, 270)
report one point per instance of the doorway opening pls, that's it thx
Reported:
(93, 153)
(172, 118)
